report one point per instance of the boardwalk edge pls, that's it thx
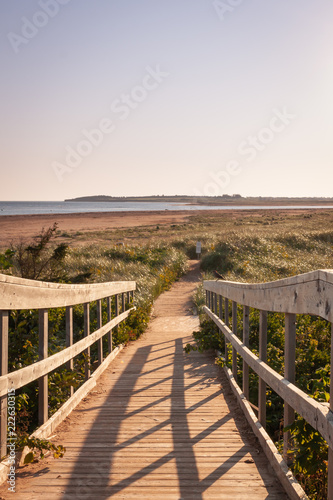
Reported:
(284, 474)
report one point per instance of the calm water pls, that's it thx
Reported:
(61, 207)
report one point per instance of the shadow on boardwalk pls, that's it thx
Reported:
(99, 468)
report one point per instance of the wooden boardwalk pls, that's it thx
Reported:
(162, 424)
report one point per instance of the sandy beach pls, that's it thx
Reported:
(14, 228)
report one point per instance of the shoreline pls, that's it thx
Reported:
(14, 228)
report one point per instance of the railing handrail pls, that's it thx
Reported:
(308, 293)
(20, 293)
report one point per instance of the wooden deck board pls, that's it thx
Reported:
(158, 425)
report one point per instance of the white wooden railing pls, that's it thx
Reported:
(310, 293)
(20, 294)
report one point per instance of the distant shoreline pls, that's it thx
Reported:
(223, 201)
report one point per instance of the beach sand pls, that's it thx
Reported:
(14, 228)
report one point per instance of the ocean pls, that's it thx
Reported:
(68, 207)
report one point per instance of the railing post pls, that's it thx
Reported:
(246, 342)
(116, 305)
(116, 308)
(43, 353)
(86, 333)
(263, 357)
(234, 331)
(109, 319)
(99, 325)
(289, 374)
(4, 317)
(220, 307)
(226, 320)
(69, 339)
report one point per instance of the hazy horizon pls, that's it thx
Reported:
(194, 97)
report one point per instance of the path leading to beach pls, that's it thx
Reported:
(161, 424)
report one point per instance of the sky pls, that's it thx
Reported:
(142, 97)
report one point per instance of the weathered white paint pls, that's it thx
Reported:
(19, 293)
(309, 293)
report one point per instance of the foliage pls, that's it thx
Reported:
(6, 259)
(38, 448)
(208, 337)
(37, 261)
(310, 458)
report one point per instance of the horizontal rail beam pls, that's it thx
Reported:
(309, 293)
(28, 374)
(18, 293)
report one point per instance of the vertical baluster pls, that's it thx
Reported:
(220, 307)
(226, 311)
(206, 292)
(86, 334)
(116, 308)
(226, 320)
(128, 297)
(109, 319)
(208, 299)
(116, 304)
(263, 357)
(234, 331)
(221, 313)
(289, 373)
(330, 450)
(43, 353)
(99, 325)
(4, 317)
(215, 303)
(123, 302)
(246, 342)
(69, 339)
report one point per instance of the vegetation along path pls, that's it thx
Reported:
(161, 424)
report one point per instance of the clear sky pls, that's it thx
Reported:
(139, 97)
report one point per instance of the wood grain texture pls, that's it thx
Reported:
(309, 293)
(160, 424)
(19, 293)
